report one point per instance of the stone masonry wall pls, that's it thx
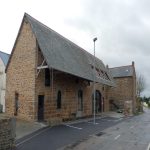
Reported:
(122, 92)
(21, 75)
(69, 86)
(69, 89)
(7, 133)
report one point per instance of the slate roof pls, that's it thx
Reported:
(63, 55)
(123, 71)
(4, 57)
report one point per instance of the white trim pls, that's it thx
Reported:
(42, 67)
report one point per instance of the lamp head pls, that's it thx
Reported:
(94, 39)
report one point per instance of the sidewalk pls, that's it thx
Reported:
(112, 114)
(24, 128)
(101, 115)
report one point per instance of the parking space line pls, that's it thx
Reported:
(116, 120)
(119, 119)
(92, 122)
(148, 148)
(73, 127)
(117, 137)
(132, 127)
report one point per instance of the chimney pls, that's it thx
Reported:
(133, 63)
(107, 66)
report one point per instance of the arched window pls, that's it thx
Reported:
(80, 100)
(59, 100)
(98, 102)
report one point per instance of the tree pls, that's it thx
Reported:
(140, 84)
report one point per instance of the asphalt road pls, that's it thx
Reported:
(68, 134)
(131, 134)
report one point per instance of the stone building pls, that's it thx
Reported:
(49, 77)
(3, 62)
(124, 94)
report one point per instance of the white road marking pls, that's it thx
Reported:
(92, 122)
(132, 127)
(117, 137)
(73, 127)
(148, 148)
(118, 119)
(32, 137)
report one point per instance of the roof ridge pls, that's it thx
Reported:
(121, 66)
(61, 36)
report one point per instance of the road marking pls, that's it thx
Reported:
(92, 122)
(117, 137)
(148, 148)
(73, 127)
(118, 119)
(132, 127)
(32, 137)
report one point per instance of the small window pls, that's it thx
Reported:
(59, 100)
(16, 104)
(47, 77)
(80, 100)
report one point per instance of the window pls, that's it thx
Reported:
(80, 100)
(16, 104)
(59, 100)
(47, 77)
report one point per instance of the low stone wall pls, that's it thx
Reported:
(7, 132)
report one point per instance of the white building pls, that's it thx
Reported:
(3, 62)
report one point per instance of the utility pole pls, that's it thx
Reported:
(94, 40)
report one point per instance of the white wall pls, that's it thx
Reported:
(2, 84)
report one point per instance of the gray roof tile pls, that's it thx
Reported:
(123, 71)
(4, 57)
(63, 55)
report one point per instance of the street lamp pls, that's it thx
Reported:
(94, 40)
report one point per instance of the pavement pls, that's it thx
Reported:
(24, 128)
(69, 133)
(131, 134)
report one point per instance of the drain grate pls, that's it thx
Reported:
(100, 134)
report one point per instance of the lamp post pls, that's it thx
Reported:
(94, 40)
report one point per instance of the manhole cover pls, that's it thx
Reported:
(100, 134)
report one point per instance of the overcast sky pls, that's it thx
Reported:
(121, 26)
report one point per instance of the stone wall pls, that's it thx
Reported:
(122, 92)
(7, 133)
(69, 86)
(21, 75)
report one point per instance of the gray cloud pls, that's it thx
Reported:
(125, 30)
